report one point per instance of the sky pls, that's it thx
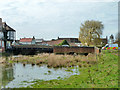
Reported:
(49, 19)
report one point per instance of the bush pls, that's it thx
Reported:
(64, 42)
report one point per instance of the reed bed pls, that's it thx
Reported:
(53, 60)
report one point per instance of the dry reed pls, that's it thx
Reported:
(53, 60)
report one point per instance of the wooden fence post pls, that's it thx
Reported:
(96, 56)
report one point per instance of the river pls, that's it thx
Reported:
(18, 75)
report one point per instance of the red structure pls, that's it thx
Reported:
(27, 40)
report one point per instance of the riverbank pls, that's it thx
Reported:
(104, 74)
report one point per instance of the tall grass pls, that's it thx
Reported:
(53, 60)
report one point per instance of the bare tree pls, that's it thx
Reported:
(90, 32)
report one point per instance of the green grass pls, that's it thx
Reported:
(104, 74)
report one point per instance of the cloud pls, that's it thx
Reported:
(52, 18)
(21, 1)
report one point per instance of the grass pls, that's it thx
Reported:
(104, 74)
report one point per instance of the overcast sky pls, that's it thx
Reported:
(49, 19)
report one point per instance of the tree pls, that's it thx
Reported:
(117, 37)
(90, 32)
(64, 42)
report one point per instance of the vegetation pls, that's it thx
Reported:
(90, 32)
(95, 72)
(64, 42)
(104, 74)
(55, 61)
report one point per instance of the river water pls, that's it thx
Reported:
(17, 75)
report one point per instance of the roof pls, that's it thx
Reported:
(67, 38)
(73, 44)
(103, 38)
(38, 40)
(55, 42)
(8, 28)
(26, 40)
(70, 40)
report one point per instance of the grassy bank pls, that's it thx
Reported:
(103, 74)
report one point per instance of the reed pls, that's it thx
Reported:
(53, 60)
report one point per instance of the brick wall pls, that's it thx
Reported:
(74, 49)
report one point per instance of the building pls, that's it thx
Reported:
(52, 42)
(16, 42)
(111, 39)
(104, 41)
(7, 35)
(71, 41)
(38, 41)
(27, 41)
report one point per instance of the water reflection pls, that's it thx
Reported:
(15, 75)
(6, 74)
